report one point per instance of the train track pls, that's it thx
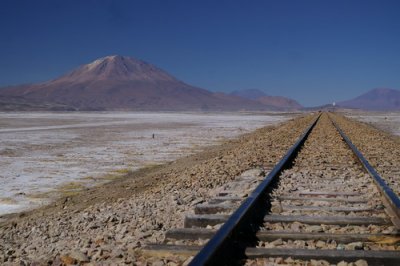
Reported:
(322, 203)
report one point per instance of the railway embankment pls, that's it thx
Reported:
(317, 206)
(110, 223)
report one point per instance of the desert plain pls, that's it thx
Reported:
(108, 188)
(50, 155)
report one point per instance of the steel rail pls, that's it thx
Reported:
(391, 198)
(224, 246)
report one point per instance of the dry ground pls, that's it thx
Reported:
(109, 223)
(45, 155)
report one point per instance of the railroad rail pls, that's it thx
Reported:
(334, 213)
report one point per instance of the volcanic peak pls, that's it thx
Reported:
(116, 67)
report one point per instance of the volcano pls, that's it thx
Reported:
(125, 83)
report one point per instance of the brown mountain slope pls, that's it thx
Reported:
(125, 83)
(380, 99)
(280, 102)
(274, 102)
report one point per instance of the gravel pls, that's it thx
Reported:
(326, 164)
(111, 223)
(380, 148)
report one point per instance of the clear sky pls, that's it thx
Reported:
(313, 51)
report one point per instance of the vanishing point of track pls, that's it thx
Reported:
(322, 201)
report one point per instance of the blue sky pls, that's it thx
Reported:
(313, 51)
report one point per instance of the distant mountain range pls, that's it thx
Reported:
(121, 83)
(125, 83)
(252, 94)
(380, 99)
(279, 102)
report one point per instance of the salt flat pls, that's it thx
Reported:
(47, 155)
(387, 121)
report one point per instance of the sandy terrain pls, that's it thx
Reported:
(387, 121)
(110, 223)
(126, 213)
(45, 155)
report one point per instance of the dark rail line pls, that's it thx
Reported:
(226, 246)
(247, 216)
(390, 197)
(235, 240)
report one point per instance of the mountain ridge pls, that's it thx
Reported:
(260, 96)
(125, 83)
(379, 99)
(252, 94)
